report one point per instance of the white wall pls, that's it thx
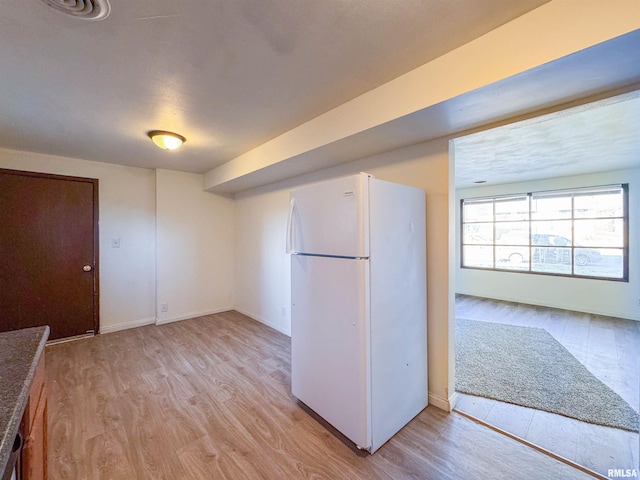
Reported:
(618, 299)
(195, 247)
(127, 212)
(194, 237)
(262, 267)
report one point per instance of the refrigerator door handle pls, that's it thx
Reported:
(290, 228)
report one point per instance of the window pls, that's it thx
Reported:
(580, 232)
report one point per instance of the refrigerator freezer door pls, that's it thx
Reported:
(329, 347)
(331, 218)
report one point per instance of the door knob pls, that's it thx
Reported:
(87, 268)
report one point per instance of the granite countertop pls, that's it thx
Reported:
(20, 351)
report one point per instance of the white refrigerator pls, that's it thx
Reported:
(358, 305)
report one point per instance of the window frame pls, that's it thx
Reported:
(530, 220)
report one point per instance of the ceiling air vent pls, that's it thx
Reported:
(82, 9)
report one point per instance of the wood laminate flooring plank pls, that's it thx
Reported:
(209, 398)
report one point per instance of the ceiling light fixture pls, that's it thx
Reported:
(82, 9)
(166, 140)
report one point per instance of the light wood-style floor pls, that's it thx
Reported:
(209, 398)
(608, 347)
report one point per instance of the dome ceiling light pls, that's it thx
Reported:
(83, 9)
(166, 140)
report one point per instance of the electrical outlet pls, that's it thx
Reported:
(115, 243)
(164, 307)
(638, 302)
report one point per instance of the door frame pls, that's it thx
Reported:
(96, 230)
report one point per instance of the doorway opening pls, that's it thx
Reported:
(591, 322)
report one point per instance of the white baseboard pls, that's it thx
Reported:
(446, 404)
(186, 316)
(453, 401)
(564, 306)
(127, 325)
(260, 319)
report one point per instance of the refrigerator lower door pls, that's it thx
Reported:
(329, 341)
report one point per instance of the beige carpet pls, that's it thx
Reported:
(528, 367)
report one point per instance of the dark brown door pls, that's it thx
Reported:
(49, 253)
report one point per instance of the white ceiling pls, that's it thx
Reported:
(227, 74)
(599, 136)
(600, 71)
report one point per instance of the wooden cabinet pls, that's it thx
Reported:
(34, 428)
